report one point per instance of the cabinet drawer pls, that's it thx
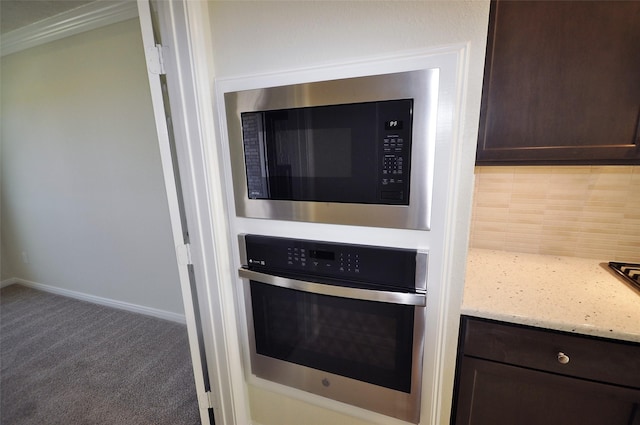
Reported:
(603, 360)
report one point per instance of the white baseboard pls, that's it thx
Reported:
(7, 282)
(135, 308)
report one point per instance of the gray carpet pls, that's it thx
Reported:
(65, 361)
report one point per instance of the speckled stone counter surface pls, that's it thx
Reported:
(564, 293)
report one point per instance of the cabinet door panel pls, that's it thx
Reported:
(493, 393)
(561, 83)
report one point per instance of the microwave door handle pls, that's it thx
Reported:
(390, 297)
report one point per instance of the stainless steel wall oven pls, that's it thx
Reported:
(338, 320)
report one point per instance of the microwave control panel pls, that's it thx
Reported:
(393, 160)
(395, 151)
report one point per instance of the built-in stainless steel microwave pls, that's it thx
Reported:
(356, 151)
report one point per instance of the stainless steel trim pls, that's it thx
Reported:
(242, 245)
(422, 269)
(390, 297)
(420, 85)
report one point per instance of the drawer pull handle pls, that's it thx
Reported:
(563, 358)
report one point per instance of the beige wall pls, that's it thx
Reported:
(82, 188)
(579, 211)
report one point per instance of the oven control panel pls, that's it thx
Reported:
(390, 267)
(320, 260)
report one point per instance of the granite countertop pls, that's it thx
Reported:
(564, 293)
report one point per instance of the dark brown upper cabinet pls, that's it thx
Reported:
(561, 83)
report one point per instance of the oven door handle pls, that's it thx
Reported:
(391, 297)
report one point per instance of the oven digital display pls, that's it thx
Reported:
(322, 255)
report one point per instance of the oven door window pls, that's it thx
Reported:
(364, 340)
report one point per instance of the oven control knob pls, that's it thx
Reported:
(325, 382)
(563, 358)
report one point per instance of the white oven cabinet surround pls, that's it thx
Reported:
(446, 35)
(442, 297)
(450, 61)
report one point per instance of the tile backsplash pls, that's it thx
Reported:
(578, 211)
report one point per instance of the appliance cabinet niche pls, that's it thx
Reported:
(512, 374)
(561, 83)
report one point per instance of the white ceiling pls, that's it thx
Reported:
(16, 14)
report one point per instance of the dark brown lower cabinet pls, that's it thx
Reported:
(497, 394)
(505, 378)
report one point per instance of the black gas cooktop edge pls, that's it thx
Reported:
(626, 273)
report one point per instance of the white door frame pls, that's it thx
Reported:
(185, 33)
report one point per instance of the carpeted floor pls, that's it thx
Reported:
(65, 361)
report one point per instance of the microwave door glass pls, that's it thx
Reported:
(311, 155)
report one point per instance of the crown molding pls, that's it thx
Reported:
(84, 18)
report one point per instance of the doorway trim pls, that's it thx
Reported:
(186, 60)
